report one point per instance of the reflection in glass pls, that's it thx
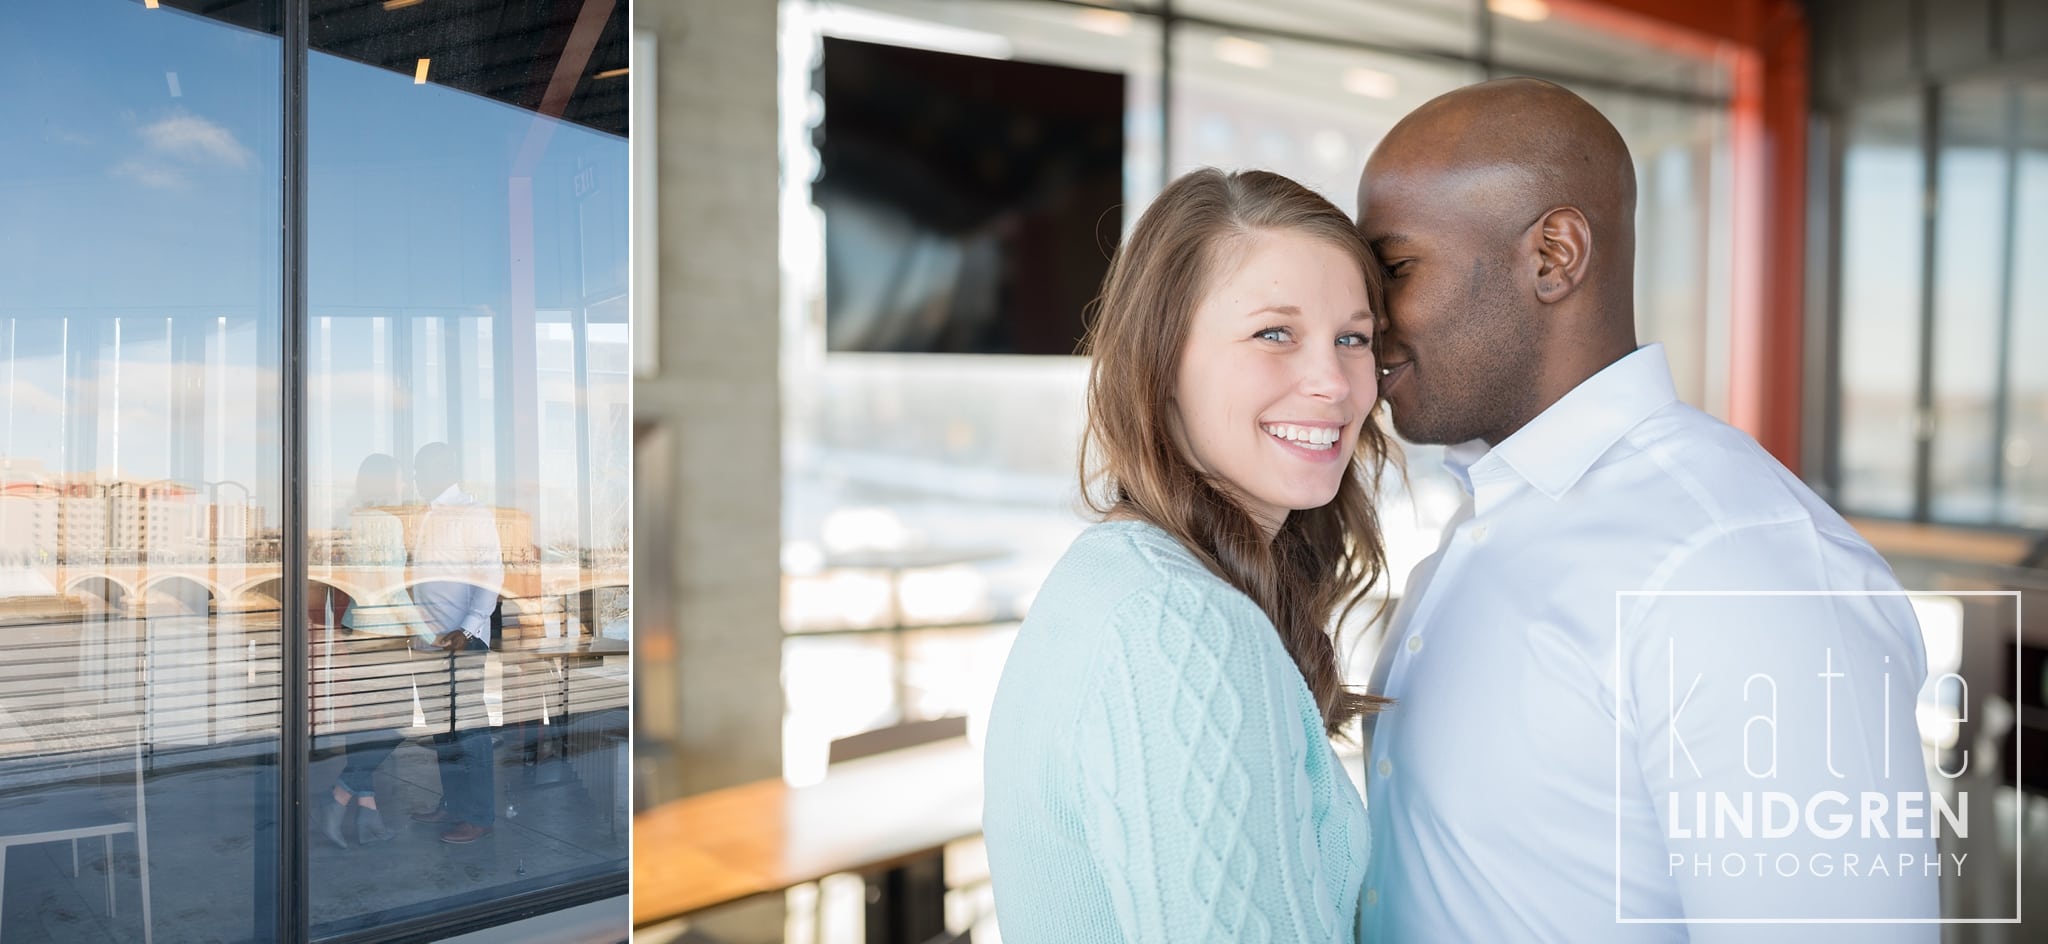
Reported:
(1969, 265)
(141, 485)
(1881, 240)
(468, 436)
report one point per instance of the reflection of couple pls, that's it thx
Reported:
(456, 571)
(1158, 762)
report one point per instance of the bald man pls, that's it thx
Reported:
(1602, 730)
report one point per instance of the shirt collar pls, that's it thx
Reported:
(1554, 450)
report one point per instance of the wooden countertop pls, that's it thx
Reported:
(761, 837)
(1942, 542)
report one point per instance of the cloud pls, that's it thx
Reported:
(195, 140)
(152, 174)
(173, 146)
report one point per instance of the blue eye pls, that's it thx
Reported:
(1268, 334)
(1355, 340)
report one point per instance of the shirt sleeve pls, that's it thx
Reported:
(1769, 704)
(1196, 801)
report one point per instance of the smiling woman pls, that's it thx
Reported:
(1278, 363)
(1230, 420)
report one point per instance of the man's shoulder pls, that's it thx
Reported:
(1722, 473)
(1734, 492)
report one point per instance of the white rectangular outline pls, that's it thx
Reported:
(2019, 810)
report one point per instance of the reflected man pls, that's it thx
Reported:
(458, 569)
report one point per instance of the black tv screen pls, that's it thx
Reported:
(970, 204)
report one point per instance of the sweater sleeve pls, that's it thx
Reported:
(1190, 749)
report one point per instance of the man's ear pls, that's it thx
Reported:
(1564, 244)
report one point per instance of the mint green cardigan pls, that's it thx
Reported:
(1156, 768)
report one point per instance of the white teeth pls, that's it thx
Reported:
(1313, 437)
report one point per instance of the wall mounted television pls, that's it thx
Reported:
(970, 204)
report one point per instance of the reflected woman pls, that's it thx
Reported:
(376, 547)
(1159, 765)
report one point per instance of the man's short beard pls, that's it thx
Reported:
(1440, 427)
(1493, 406)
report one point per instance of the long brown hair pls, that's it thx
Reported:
(1324, 561)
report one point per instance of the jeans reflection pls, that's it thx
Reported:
(457, 571)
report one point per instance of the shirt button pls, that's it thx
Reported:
(1386, 767)
(1415, 643)
(1372, 897)
(1478, 534)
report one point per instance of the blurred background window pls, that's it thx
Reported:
(1942, 396)
(1880, 336)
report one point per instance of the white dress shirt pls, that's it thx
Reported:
(1553, 732)
(458, 565)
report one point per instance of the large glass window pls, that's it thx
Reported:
(2024, 499)
(1613, 48)
(1882, 235)
(458, 519)
(1943, 402)
(468, 432)
(1439, 25)
(1310, 111)
(1969, 262)
(141, 474)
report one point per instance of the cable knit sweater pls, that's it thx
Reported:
(1156, 768)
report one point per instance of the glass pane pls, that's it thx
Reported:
(1969, 262)
(1310, 111)
(1881, 238)
(467, 441)
(1592, 40)
(1437, 25)
(2026, 443)
(141, 484)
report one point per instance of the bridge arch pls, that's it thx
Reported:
(112, 593)
(177, 593)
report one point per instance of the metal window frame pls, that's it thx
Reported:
(1930, 202)
(293, 898)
